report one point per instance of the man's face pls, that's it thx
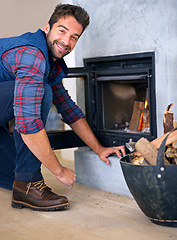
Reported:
(63, 36)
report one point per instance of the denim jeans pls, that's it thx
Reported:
(16, 160)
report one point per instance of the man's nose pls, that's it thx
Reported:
(66, 40)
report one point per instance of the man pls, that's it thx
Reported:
(31, 72)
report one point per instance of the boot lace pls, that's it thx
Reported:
(40, 185)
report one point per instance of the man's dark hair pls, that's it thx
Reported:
(63, 10)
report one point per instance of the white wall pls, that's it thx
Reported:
(20, 16)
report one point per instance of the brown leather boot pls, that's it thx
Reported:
(37, 196)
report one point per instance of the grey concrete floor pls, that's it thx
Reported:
(94, 214)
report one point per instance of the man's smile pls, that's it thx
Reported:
(61, 47)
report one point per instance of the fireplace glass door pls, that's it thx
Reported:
(118, 97)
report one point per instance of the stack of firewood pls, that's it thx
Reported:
(146, 152)
(171, 153)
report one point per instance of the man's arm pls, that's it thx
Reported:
(28, 68)
(82, 129)
(39, 145)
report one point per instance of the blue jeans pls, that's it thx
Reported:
(16, 160)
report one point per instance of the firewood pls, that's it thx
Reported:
(168, 119)
(169, 153)
(134, 155)
(148, 151)
(140, 161)
(171, 138)
(174, 145)
(146, 123)
(136, 115)
(136, 158)
(175, 159)
(174, 123)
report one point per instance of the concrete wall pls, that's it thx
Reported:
(132, 26)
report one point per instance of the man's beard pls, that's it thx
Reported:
(56, 54)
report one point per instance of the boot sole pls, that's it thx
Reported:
(20, 205)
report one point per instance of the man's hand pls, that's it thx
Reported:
(39, 144)
(82, 129)
(105, 152)
(67, 177)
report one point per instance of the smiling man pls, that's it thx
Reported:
(31, 73)
(63, 36)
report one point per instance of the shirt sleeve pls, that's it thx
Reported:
(65, 105)
(28, 66)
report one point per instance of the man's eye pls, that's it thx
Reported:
(74, 38)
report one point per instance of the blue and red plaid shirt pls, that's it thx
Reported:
(28, 64)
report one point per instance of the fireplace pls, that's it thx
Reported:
(120, 97)
(116, 90)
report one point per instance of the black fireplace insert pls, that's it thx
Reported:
(120, 100)
(117, 90)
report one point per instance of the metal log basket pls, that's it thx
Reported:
(154, 188)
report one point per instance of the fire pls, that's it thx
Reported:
(145, 105)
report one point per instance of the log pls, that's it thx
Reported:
(171, 154)
(174, 123)
(136, 115)
(174, 145)
(168, 119)
(139, 161)
(171, 138)
(146, 123)
(147, 150)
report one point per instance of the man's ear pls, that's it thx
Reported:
(46, 28)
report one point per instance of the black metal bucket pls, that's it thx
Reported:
(154, 188)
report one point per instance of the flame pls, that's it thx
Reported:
(145, 104)
(141, 117)
(141, 120)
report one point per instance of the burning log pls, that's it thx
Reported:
(145, 122)
(136, 116)
(168, 119)
(140, 117)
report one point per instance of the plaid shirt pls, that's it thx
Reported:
(27, 64)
